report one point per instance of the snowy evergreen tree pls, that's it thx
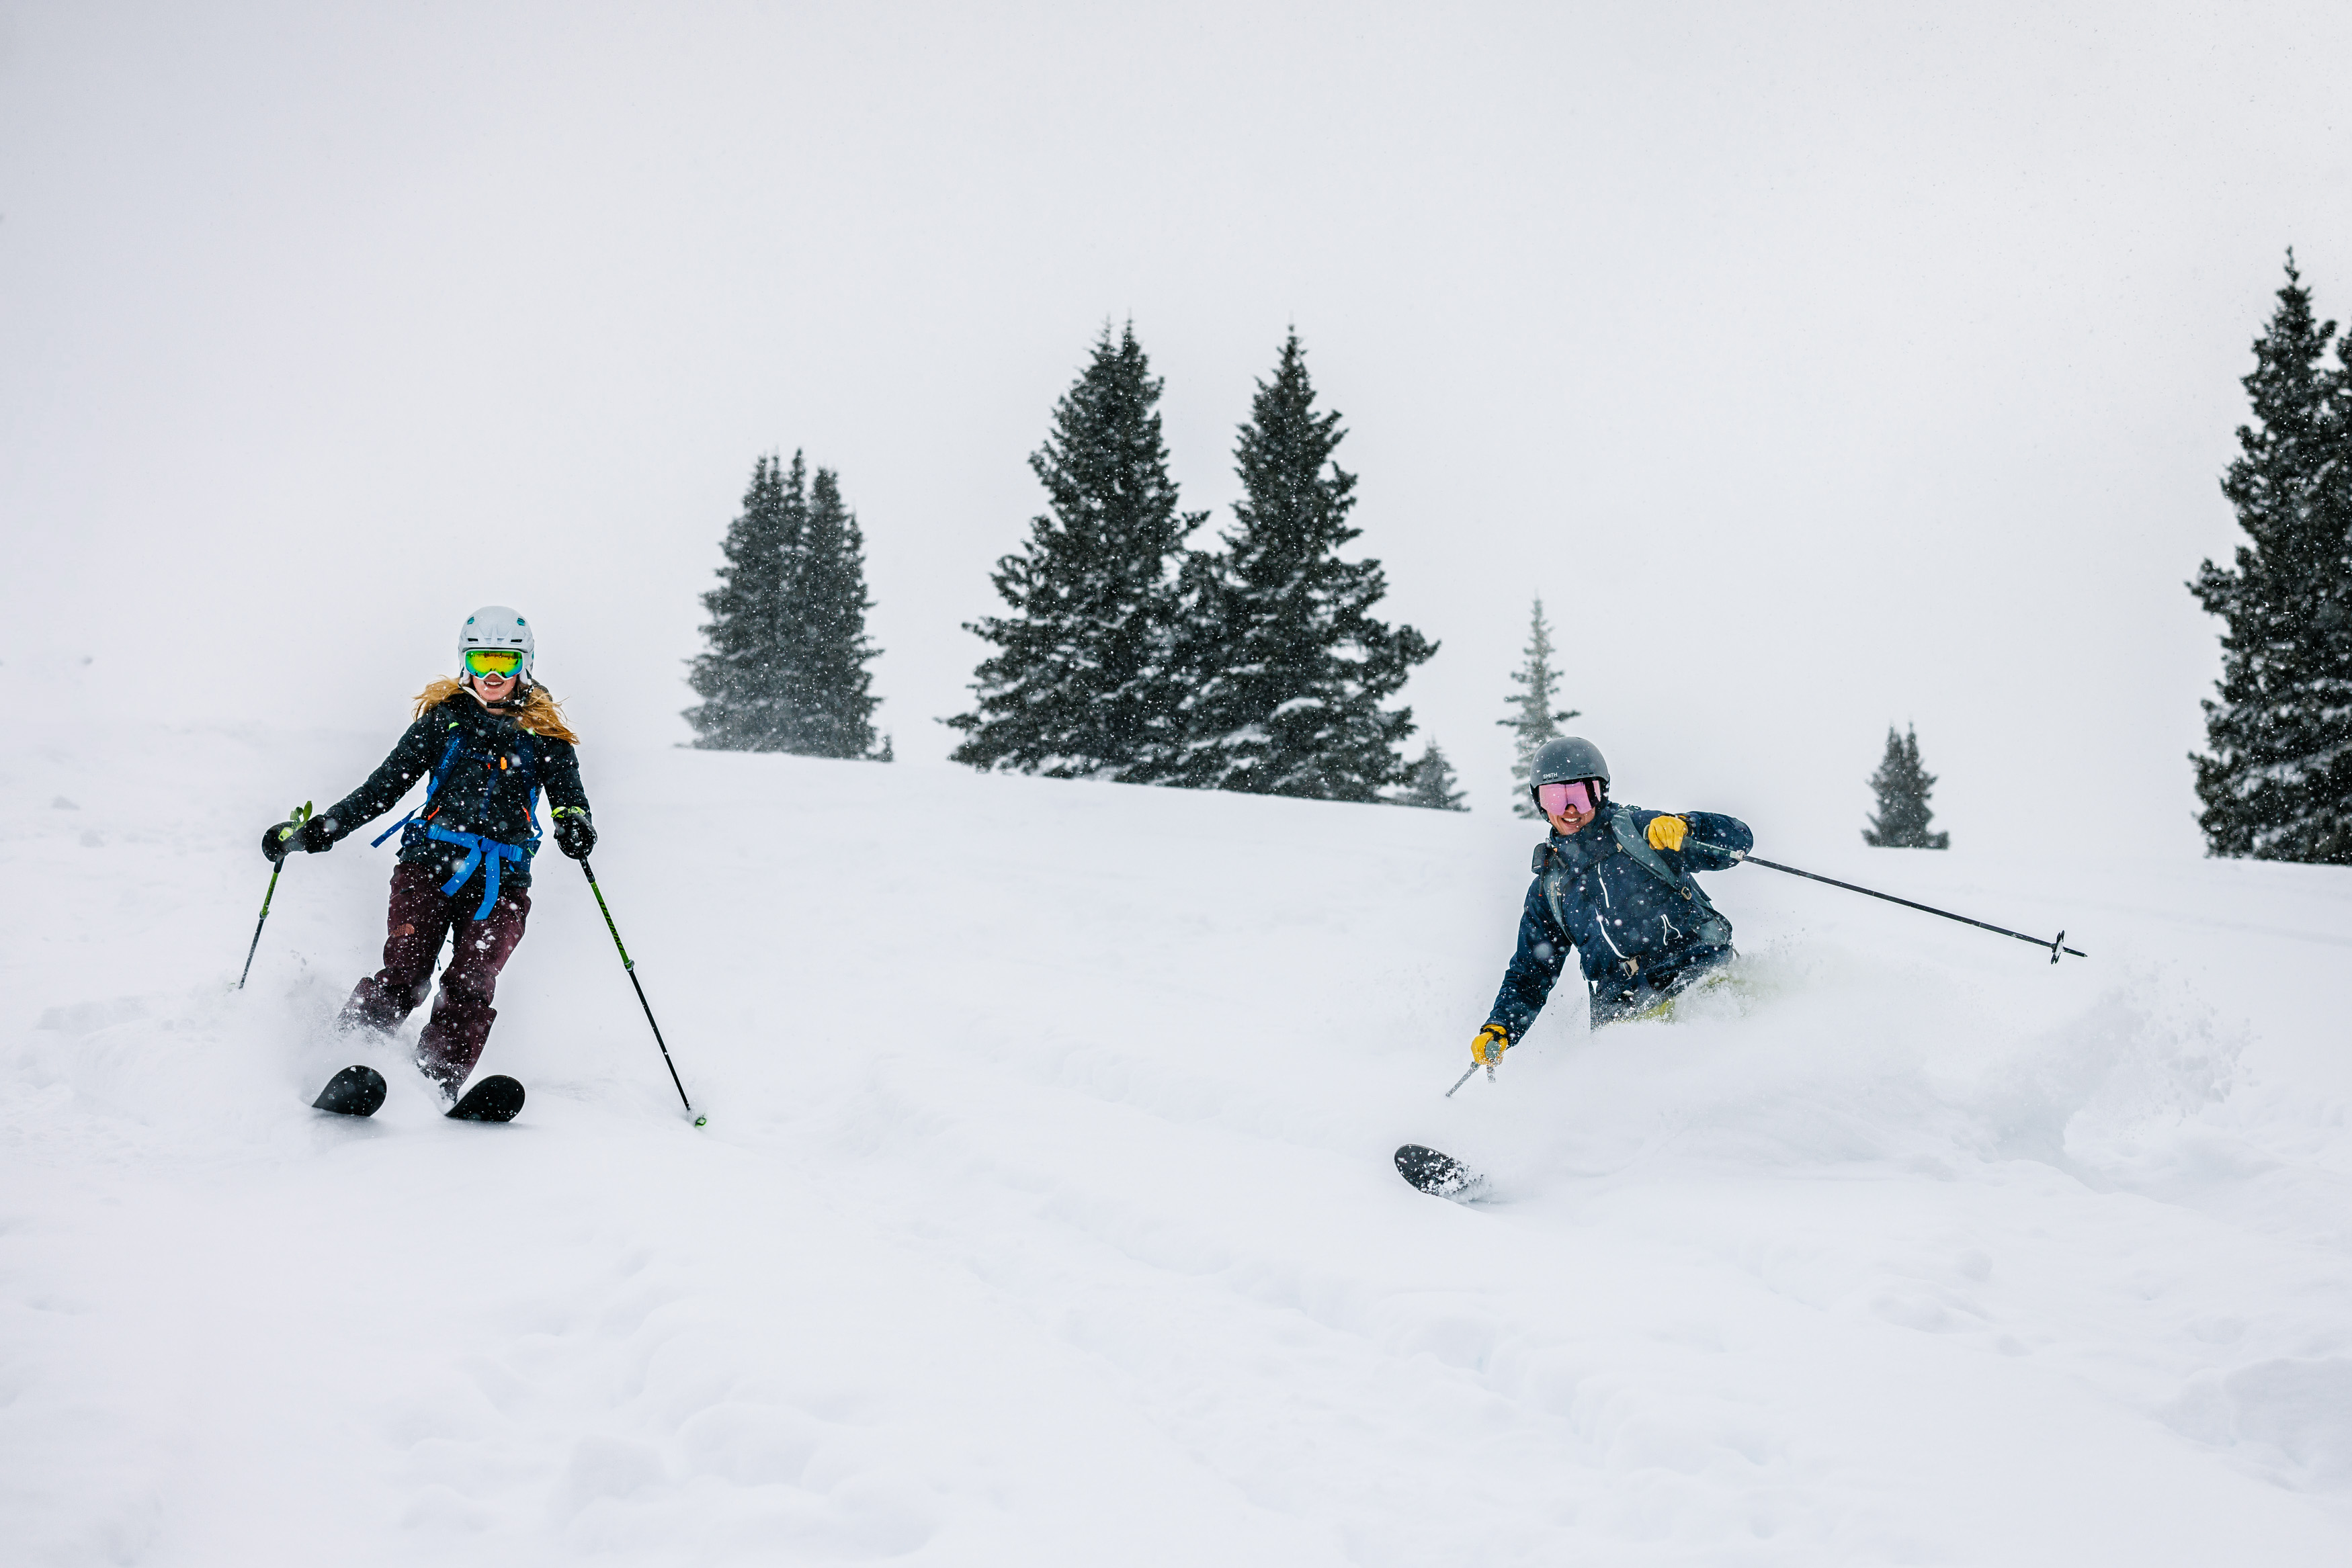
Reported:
(1287, 670)
(1902, 787)
(825, 683)
(741, 676)
(1430, 784)
(2277, 783)
(1533, 719)
(1081, 686)
(785, 669)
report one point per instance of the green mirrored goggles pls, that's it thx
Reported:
(493, 661)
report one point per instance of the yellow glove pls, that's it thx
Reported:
(1490, 1046)
(1668, 833)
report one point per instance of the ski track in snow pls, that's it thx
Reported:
(1045, 1214)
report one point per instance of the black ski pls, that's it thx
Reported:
(497, 1098)
(354, 1092)
(1442, 1176)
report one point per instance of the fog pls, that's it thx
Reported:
(1823, 368)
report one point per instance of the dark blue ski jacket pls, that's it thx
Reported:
(1630, 910)
(491, 771)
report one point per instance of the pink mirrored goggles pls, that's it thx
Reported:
(1556, 799)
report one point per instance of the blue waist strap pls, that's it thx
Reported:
(478, 851)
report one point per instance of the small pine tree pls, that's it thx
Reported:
(1533, 719)
(1430, 784)
(1080, 686)
(824, 679)
(1902, 787)
(2277, 783)
(1287, 670)
(785, 670)
(741, 676)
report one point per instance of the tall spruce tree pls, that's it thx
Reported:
(1430, 783)
(1533, 719)
(2277, 782)
(741, 675)
(1287, 670)
(1902, 787)
(825, 681)
(1081, 686)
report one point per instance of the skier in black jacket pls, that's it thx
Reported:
(1614, 883)
(491, 742)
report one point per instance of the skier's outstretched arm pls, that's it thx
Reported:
(1535, 967)
(410, 760)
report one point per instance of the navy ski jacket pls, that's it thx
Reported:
(1594, 890)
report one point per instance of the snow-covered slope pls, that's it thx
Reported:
(1045, 1213)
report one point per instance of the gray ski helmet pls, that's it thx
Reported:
(1566, 760)
(497, 626)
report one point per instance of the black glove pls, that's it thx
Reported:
(311, 835)
(575, 835)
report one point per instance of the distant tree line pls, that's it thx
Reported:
(1260, 665)
(2277, 776)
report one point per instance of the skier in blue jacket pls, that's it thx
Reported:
(1614, 883)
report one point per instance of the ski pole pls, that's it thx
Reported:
(629, 965)
(2056, 944)
(276, 866)
(1465, 1078)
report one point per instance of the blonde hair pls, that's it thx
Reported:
(541, 714)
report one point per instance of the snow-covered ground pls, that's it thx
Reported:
(1046, 1212)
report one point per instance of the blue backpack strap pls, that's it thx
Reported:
(1636, 844)
(432, 788)
(479, 852)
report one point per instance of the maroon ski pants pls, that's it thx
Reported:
(421, 916)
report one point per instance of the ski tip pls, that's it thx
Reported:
(356, 1090)
(497, 1098)
(1439, 1175)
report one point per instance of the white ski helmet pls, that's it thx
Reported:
(496, 626)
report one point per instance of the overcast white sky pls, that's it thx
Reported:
(1824, 367)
